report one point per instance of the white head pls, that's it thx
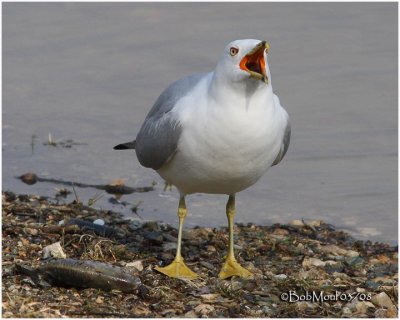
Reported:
(243, 61)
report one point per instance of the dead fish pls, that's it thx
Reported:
(100, 230)
(82, 274)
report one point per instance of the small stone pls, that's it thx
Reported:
(99, 222)
(167, 256)
(211, 249)
(315, 223)
(362, 306)
(143, 291)
(332, 249)
(383, 259)
(297, 223)
(169, 237)
(207, 265)
(380, 313)
(210, 296)
(135, 225)
(151, 226)
(29, 178)
(346, 311)
(371, 284)
(34, 202)
(352, 253)
(168, 312)
(382, 300)
(138, 265)
(32, 232)
(187, 234)
(334, 267)
(100, 300)
(312, 262)
(392, 312)
(280, 232)
(190, 314)
(54, 250)
(301, 306)
(169, 246)
(354, 262)
(204, 309)
(300, 246)
(280, 276)
(154, 236)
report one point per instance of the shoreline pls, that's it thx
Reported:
(306, 261)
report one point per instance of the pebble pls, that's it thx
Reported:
(380, 313)
(300, 246)
(315, 223)
(312, 262)
(382, 300)
(138, 265)
(280, 232)
(280, 276)
(151, 226)
(301, 306)
(54, 250)
(100, 300)
(371, 284)
(154, 236)
(384, 280)
(99, 222)
(169, 246)
(211, 249)
(362, 306)
(392, 312)
(210, 296)
(32, 232)
(29, 178)
(207, 265)
(165, 256)
(335, 250)
(354, 262)
(334, 267)
(169, 237)
(135, 225)
(297, 223)
(204, 309)
(190, 314)
(346, 311)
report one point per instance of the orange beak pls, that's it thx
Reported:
(254, 62)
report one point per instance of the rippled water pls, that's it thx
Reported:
(91, 72)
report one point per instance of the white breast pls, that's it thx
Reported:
(225, 149)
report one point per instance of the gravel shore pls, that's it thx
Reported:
(303, 269)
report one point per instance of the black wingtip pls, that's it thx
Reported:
(125, 146)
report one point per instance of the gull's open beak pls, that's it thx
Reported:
(254, 62)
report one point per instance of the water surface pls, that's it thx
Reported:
(91, 72)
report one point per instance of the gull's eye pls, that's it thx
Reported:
(233, 51)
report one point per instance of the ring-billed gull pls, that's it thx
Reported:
(218, 133)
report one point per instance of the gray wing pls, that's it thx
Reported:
(285, 145)
(158, 138)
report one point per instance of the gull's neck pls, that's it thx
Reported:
(243, 94)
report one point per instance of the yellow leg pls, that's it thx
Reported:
(231, 267)
(177, 268)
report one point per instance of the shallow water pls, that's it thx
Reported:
(91, 72)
